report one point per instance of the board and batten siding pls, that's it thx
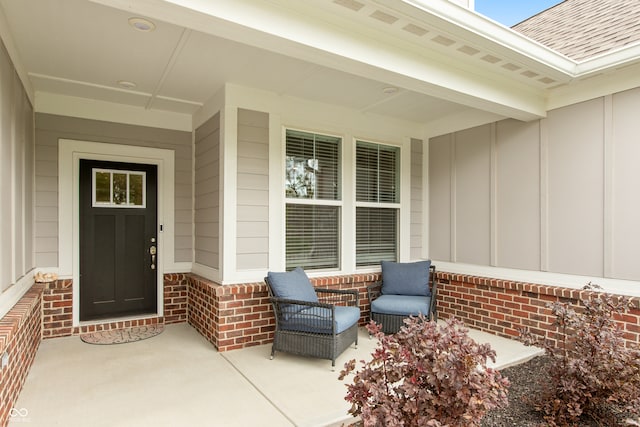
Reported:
(252, 191)
(50, 128)
(207, 193)
(559, 194)
(417, 198)
(16, 176)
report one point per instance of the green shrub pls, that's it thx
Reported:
(425, 375)
(591, 365)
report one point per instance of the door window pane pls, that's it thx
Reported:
(135, 190)
(103, 187)
(118, 188)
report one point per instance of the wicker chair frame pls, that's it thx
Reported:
(313, 344)
(391, 323)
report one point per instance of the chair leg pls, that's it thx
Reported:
(273, 353)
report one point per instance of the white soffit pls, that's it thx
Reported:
(332, 35)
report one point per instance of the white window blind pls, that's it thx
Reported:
(312, 191)
(312, 236)
(377, 174)
(376, 235)
(377, 203)
(312, 166)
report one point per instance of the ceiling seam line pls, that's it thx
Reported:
(177, 50)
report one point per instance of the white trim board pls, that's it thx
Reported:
(570, 281)
(69, 154)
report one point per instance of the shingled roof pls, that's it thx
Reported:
(581, 29)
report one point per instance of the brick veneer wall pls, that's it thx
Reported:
(176, 303)
(57, 308)
(504, 307)
(238, 316)
(20, 336)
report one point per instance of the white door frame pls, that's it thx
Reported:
(69, 154)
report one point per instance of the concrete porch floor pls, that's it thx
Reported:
(178, 378)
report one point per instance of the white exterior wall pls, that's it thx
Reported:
(207, 194)
(554, 195)
(16, 186)
(252, 213)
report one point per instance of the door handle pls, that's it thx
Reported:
(152, 251)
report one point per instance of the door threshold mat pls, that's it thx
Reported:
(121, 336)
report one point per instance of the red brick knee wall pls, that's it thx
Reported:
(176, 301)
(238, 316)
(20, 336)
(504, 307)
(57, 308)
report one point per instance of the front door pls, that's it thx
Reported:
(118, 239)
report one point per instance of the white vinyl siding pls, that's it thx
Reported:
(557, 195)
(207, 194)
(252, 191)
(313, 208)
(16, 176)
(377, 203)
(417, 198)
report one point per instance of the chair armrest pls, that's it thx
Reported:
(374, 290)
(347, 297)
(279, 301)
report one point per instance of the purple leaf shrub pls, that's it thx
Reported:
(425, 375)
(592, 367)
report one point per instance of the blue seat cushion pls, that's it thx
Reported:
(401, 305)
(318, 320)
(406, 278)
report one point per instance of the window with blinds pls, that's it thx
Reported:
(313, 238)
(377, 203)
(312, 191)
(312, 166)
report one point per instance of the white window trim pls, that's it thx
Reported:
(69, 154)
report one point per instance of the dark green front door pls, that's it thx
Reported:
(118, 239)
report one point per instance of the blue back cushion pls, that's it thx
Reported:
(292, 285)
(409, 278)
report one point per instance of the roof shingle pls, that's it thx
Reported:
(581, 29)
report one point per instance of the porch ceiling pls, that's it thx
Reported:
(82, 49)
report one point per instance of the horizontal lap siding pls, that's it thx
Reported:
(417, 194)
(253, 191)
(207, 193)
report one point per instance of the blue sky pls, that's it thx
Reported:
(510, 12)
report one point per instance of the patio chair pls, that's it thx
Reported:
(406, 289)
(319, 323)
